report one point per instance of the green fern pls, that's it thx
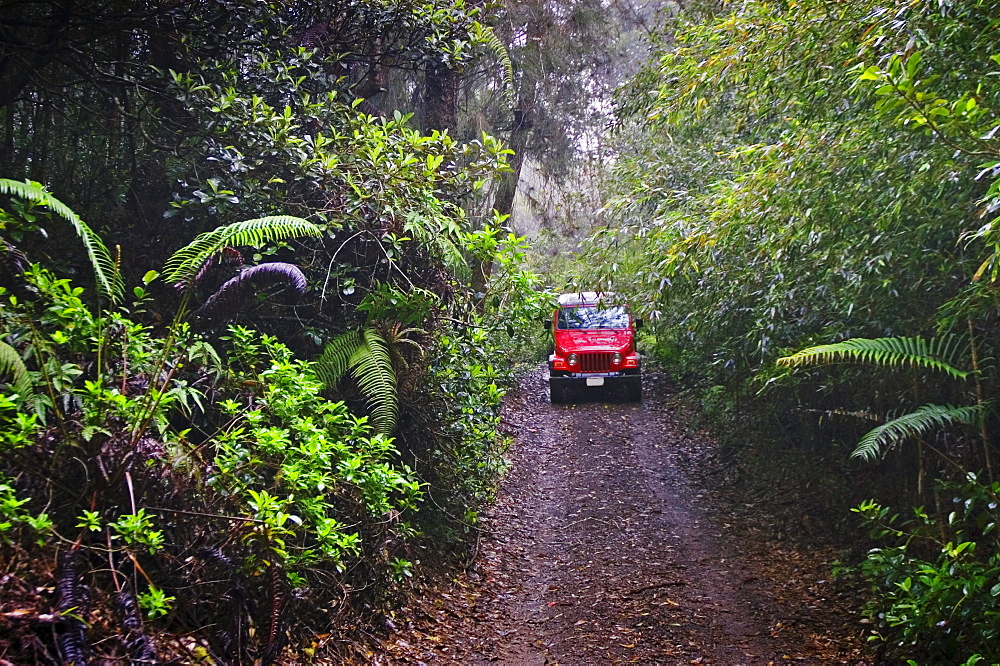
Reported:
(397, 335)
(365, 354)
(11, 363)
(335, 361)
(919, 422)
(934, 354)
(109, 280)
(372, 368)
(185, 263)
(495, 44)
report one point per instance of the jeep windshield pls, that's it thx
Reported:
(583, 317)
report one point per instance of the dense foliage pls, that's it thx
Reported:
(812, 173)
(937, 581)
(247, 381)
(252, 356)
(173, 468)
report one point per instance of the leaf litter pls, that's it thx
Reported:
(608, 544)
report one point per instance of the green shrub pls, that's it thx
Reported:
(303, 468)
(937, 582)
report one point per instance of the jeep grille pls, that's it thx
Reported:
(595, 362)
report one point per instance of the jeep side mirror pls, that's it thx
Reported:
(638, 323)
(548, 324)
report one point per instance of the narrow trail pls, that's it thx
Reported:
(600, 550)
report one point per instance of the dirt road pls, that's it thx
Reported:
(602, 550)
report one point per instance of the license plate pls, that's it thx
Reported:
(595, 381)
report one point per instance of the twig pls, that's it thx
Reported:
(322, 294)
(203, 515)
(654, 586)
(583, 520)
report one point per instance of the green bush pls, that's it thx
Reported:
(302, 467)
(936, 583)
(147, 454)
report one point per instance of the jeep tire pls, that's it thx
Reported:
(558, 392)
(633, 389)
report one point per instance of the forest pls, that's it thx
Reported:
(268, 270)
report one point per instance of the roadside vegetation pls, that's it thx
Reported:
(250, 379)
(804, 206)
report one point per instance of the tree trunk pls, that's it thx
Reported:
(440, 99)
(520, 138)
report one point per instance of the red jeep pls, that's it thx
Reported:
(593, 346)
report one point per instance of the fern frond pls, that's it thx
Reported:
(934, 354)
(401, 337)
(230, 297)
(924, 419)
(106, 273)
(396, 335)
(16, 259)
(185, 263)
(495, 44)
(11, 363)
(334, 362)
(372, 367)
(365, 354)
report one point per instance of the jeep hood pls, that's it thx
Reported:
(592, 340)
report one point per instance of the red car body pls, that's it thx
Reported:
(593, 347)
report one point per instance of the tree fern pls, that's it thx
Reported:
(335, 361)
(11, 363)
(365, 354)
(396, 335)
(372, 367)
(919, 422)
(184, 264)
(935, 354)
(106, 273)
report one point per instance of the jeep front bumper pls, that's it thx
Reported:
(605, 380)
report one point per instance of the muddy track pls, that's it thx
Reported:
(602, 550)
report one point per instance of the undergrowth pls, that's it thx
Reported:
(167, 493)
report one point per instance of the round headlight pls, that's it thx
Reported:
(572, 359)
(616, 358)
